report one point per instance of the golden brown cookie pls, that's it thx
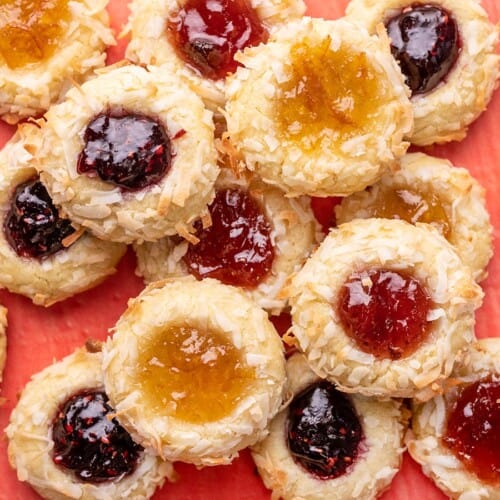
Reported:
(195, 370)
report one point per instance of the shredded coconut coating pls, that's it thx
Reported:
(205, 305)
(69, 271)
(396, 245)
(3, 339)
(327, 169)
(461, 196)
(444, 113)
(294, 234)
(30, 440)
(429, 425)
(30, 90)
(156, 211)
(149, 43)
(383, 423)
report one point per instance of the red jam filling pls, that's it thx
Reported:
(207, 34)
(129, 150)
(473, 429)
(32, 226)
(89, 441)
(324, 433)
(425, 41)
(236, 249)
(385, 312)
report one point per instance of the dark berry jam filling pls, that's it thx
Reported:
(129, 150)
(426, 42)
(32, 226)
(385, 312)
(473, 429)
(237, 248)
(91, 443)
(207, 34)
(324, 432)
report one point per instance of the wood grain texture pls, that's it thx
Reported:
(39, 336)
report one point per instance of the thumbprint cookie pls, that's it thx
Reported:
(199, 38)
(321, 109)
(66, 442)
(195, 370)
(447, 52)
(130, 155)
(255, 239)
(433, 191)
(3, 339)
(384, 308)
(456, 435)
(46, 46)
(42, 254)
(329, 444)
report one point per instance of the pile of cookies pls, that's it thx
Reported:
(202, 150)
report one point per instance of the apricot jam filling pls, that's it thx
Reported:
(237, 248)
(206, 34)
(411, 205)
(473, 429)
(195, 375)
(30, 30)
(385, 312)
(324, 433)
(334, 94)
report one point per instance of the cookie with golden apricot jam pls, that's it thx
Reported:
(43, 256)
(198, 38)
(433, 191)
(456, 435)
(256, 239)
(45, 47)
(447, 50)
(195, 370)
(321, 109)
(329, 444)
(384, 308)
(65, 440)
(130, 155)
(3, 339)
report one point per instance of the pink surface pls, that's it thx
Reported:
(39, 336)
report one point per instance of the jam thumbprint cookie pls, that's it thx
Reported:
(46, 46)
(3, 339)
(66, 442)
(329, 444)
(321, 109)
(456, 435)
(433, 191)
(199, 38)
(195, 370)
(447, 52)
(384, 308)
(130, 155)
(255, 240)
(42, 255)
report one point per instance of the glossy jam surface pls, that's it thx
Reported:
(426, 42)
(207, 34)
(473, 429)
(30, 30)
(90, 442)
(129, 150)
(411, 205)
(32, 225)
(324, 432)
(236, 249)
(332, 94)
(384, 312)
(197, 376)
